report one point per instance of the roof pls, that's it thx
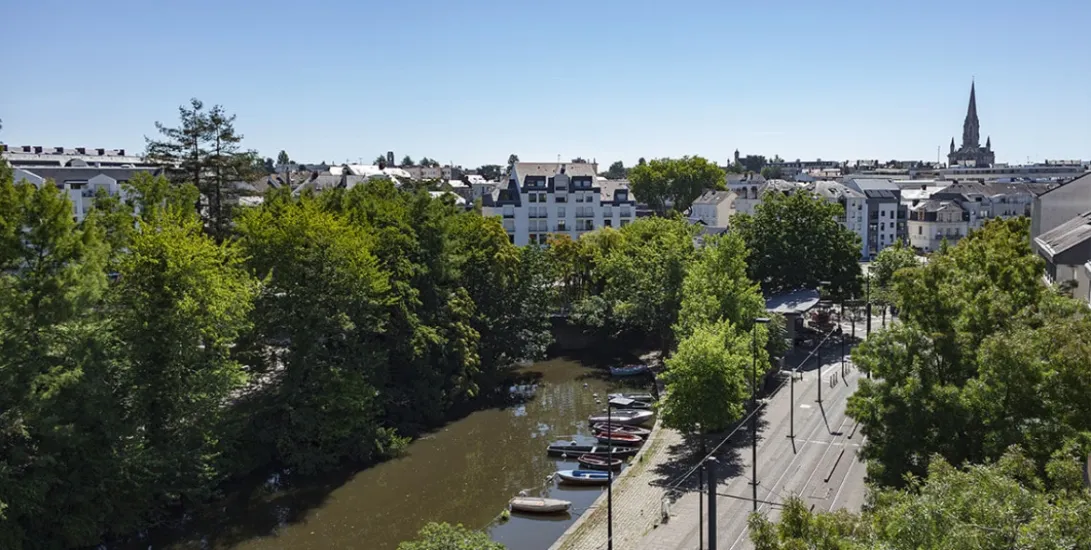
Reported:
(921, 194)
(608, 190)
(713, 197)
(833, 190)
(864, 184)
(61, 174)
(783, 186)
(524, 169)
(937, 206)
(795, 302)
(1065, 236)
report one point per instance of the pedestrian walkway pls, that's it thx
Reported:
(637, 503)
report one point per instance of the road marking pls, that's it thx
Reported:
(804, 406)
(855, 455)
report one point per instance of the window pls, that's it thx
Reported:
(882, 213)
(511, 238)
(882, 226)
(532, 197)
(579, 197)
(560, 226)
(560, 212)
(608, 222)
(560, 198)
(541, 197)
(624, 223)
(533, 238)
(920, 229)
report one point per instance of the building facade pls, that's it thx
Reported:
(853, 203)
(81, 183)
(714, 208)
(545, 198)
(971, 153)
(933, 221)
(886, 216)
(1066, 250)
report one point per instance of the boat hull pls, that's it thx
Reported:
(593, 462)
(583, 477)
(619, 439)
(617, 428)
(535, 505)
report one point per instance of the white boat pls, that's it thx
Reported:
(536, 505)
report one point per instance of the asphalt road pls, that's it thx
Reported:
(819, 464)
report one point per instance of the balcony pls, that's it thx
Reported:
(538, 215)
(590, 214)
(509, 215)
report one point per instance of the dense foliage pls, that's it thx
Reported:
(708, 379)
(998, 506)
(444, 536)
(665, 184)
(144, 362)
(985, 357)
(889, 261)
(796, 242)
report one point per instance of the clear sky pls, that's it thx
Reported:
(472, 81)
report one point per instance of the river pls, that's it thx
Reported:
(463, 473)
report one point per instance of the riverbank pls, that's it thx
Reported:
(637, 502)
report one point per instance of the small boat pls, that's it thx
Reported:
(629, 370)
(615, 438)
(618, 428)
(645, 397)
(629, 403)
(583, 477)
(536, 505)
(628, 417)
(570, 448)
(595, 462)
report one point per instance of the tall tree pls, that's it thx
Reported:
(380, 160)
(408, 161)
(716, 287)
(753, 163)
(490, 172)
(205, 150)
(617, 171)
(708, 379)
(771, 172)
(674, 183)
(282, 158)
(512, 159)
(796, 242)
(889, 261)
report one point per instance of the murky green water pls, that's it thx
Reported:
(464, 473)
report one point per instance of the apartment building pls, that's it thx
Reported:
(544, 198)
(1056, 206)
(81, 182)
(886, 214)
(985, 201)
(58, 157)
(854, 216)
(933, 221)
(1066, 250)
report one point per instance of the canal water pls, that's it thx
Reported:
(463, 473)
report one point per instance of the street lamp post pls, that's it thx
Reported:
(818, 370)
(754, 409)
(609, 478)
(841, 336)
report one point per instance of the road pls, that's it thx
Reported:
(819, 464)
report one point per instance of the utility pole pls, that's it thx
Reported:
(609, 476)
(818, 362)
(711, 464)
(841, 336)
(792, 409)
(701, 507)
(754, 411)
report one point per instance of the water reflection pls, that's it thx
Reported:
(464, 473)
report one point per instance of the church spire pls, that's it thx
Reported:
(971, 137)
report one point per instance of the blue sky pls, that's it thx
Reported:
(474, 81)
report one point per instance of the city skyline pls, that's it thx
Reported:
(476, 84)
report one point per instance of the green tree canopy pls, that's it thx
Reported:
(992, 507)
(407, 161)
(617, 171)
(677, 182)
(771, 172)
(708, 379)
(444, 536)
(716, 287)
(490, 172)
(889, 261)
(984, 357)
(795, 242)
(282, 158)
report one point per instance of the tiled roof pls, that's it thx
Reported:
(937, 206)
(713, 197)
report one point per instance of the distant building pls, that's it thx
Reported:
(544, 198)
(81, 183)
(971, 153)
(986, 201)
(714, 208)
(745, 187)
(933, 221)
(78, 157)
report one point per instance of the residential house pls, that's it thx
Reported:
(714, 208)
(1067, 250)
(81, 182)
(853, 203)
(745, 187)
(543, 198)
(1056, 206)
(933, 221)
(986, 201)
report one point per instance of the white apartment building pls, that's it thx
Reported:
(855, 215)
(544, 198)
(714, 208)
(745, 187)
(428, 172)
(80, 183)
(932, 221)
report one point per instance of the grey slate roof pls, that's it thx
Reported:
(1065, 236)
(547, 169)
(713, 197)
(833, 190)
(937, 206)
(1082, 180)
(864, 184)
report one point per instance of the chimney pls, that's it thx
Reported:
(121, 152)
(100, 152)
(58, 150)
(81, 150)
